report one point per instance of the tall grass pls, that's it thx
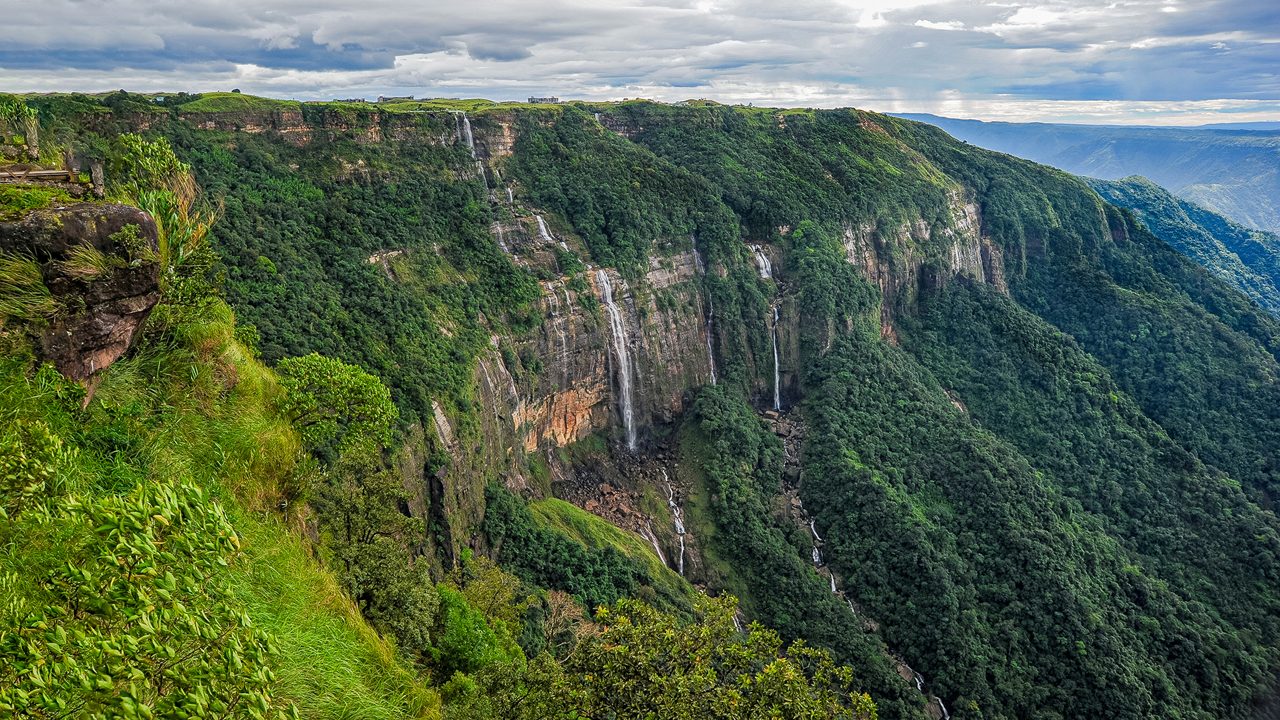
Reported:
(331, 663)
(195, 404)
(23, 294)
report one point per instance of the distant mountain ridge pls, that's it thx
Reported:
(1230, 170)
(1248, 259)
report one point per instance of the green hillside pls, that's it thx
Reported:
(1230, 171)
(1246, 259)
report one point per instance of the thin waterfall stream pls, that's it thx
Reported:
(677, 516)
(711, 315)
(621, 355)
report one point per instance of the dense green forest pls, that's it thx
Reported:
(1248, 260)
(1041, 446)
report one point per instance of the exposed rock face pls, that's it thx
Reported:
(894, 260)
(101, 312)
(300, 128)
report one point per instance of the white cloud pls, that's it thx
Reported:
(934, 25)
(1087, 58)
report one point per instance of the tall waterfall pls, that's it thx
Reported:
(711, 329)
(545, 234)
(777, 375)
(557, 322)
(762, 262)
(464, 131)
(467, 137)
(622, 356)
(677, 516)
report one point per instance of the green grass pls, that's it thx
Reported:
(220, 102)
(18, 200)
(330, 664)
(470, 106)
(594, 532)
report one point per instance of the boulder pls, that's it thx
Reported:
(102, 313)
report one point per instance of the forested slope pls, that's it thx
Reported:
(1231, 171)
(1248, 260)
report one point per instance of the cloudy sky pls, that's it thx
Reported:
(1148, 61)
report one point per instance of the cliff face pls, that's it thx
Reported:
(893, 259)
(584, 369)
(930, 494)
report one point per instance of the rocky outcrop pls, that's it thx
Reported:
(101, 305)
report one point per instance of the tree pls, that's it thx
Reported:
(642, 665)
(637, 662)
(370, 538)
(336, 406)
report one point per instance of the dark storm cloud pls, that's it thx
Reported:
(894, 54)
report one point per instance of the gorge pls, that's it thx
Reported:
(917, 404)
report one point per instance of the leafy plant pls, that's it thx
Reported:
(144, 626)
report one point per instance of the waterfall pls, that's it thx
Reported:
(545, 234)
(677, 515)
(919, 680)
(777, 389)
(622, 356)
(762, 262)
(711, 353)
(737, 624)
(597, 117)
(814, 531)
(467, 137)
(493, 388)
(511, 200)
(557, 322)
(653, 540)
(945, 715)
(496, 230)
(464, 131)
(833, 584)
(817, 556)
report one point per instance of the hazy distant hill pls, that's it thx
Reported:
(1248, 259)
(1235, 172)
